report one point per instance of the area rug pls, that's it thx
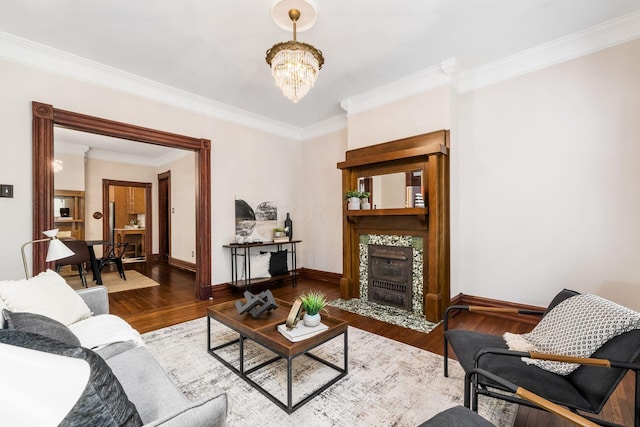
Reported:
(113, 282)
(388, 384)
(385, 313)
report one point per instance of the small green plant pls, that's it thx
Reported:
(278, 230)
(313, 302)
(365, 195)
(352, 193)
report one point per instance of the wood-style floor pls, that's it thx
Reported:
(173, 302)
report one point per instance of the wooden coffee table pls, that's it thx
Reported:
(264, 332)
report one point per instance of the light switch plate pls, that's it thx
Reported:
(6, 190)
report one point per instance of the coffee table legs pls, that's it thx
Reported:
(289, 407)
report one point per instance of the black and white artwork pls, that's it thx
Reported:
(255, 221)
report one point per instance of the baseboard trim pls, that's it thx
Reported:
(182, 264)
(324, 276)
(462, 299)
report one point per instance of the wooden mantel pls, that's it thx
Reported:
(430, 153)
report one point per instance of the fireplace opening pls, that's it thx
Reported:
(390, 275)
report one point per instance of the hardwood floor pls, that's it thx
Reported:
(174, 302)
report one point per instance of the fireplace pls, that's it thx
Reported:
(390, 275)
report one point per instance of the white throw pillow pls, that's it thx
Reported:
(104, 329)
(259, 266)
(47, 294)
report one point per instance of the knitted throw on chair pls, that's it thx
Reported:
(578, 326)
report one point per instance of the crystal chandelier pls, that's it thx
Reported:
(294, 65)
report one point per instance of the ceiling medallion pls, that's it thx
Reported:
(294, 65)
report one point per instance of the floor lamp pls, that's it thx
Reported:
(57, 250)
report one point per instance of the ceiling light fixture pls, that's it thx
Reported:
(294, 65)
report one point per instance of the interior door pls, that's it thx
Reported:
(164, 215)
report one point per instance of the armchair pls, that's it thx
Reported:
(587, 388)
(462, 416)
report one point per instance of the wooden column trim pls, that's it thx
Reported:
(42, 140)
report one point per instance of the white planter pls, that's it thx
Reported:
(353, 204)
(364, 204)
(311, 320)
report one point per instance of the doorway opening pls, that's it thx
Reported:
(129, 218)
(164, 215)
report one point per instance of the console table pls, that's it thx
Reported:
(241, 257)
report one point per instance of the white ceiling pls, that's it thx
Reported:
(216, 49)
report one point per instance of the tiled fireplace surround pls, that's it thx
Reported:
(415, 243)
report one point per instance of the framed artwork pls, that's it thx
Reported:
(255, 220)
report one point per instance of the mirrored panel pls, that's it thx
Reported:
(394, 190)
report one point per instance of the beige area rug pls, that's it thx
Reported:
(388, 384)
(112, 281)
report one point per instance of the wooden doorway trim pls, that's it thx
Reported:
(45, 117)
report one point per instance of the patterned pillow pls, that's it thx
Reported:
(103, 403)
(578, 326)
(41, 325)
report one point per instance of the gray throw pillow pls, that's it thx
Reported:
(103, 402)
(41, 325)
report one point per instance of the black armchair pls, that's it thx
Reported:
(586, 389)
(461, 416)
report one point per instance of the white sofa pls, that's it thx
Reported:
(38, 306)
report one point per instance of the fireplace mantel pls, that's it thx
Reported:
(429, 153)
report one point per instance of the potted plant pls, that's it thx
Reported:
(364, 200)
(278, 232)
(353, 198)
(313, 302)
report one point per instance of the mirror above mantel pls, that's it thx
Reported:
(393, 190)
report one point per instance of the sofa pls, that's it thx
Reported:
(84, 366)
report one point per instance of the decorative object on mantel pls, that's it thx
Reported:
(257, 304)
(294, 65)
(313, 302)
(418, 201)
(353, 199)
(288, 227)
(364, 200)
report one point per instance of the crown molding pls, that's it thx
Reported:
(607, 34)
(422, 81)
(330, 125)
(26, 52)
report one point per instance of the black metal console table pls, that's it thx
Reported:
(242, 251)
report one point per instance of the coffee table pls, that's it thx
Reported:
(264, 332)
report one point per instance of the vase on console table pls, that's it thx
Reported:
(288, 227)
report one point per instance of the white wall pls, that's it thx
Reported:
(544, 177)
(415, 115)
(71, 176)
(244, 161)
(321, 210)
(549, 189)
(183, 207)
